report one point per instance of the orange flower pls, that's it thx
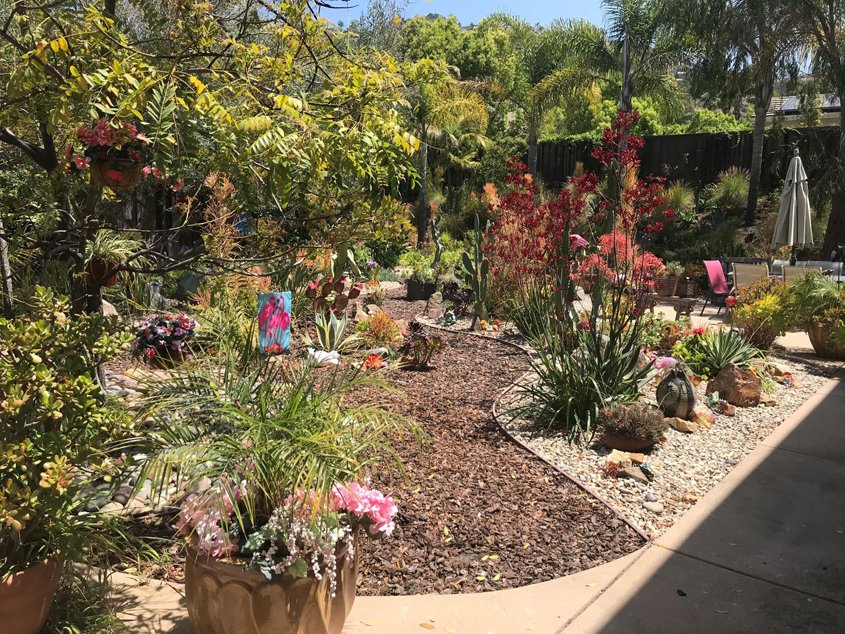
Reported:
(373, 362)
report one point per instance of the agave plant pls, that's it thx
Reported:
(725, 347)
(330, 329)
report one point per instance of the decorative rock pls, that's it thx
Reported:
(372, 309)
(703, 419)
(767, 400)
(776, 370)
(109, 310)
(651, 496)
(619, 458)
(434, 306)
(321, 358)
(654, 507)
(737, 386)
(112, 508)
(123, 494)
(634, 473)
(637, 458)
(136, 507)
(676, 395)
(727, 409)
(690, 497)
(681, 425)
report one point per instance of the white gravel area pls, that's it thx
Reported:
(685, 466)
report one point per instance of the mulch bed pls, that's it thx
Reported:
(477, 512)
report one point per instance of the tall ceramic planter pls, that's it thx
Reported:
(27, 596)
(824, 345)
(223, 598)
(676, 395)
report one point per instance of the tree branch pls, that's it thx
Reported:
(45, 157)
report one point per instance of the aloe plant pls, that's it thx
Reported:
(330, 329)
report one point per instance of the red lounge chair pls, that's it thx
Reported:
(718, 285)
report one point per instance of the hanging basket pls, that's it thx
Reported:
(97, 270)
(116, 173)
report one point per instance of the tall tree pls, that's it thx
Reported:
(824, 23)
(256, 90)
(634, 53)
(751, 41)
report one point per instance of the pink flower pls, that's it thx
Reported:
(662, 363)
(699, 331)
(179, 184)
(370, 505)
(577, 242)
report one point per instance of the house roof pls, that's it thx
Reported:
(792, 104)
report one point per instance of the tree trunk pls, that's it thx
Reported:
(533, 151)
(759, 140)
(5, 276)
(835, 234)
(423, 211)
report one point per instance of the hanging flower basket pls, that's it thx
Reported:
(116, 173)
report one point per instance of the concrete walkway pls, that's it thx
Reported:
(764, 551)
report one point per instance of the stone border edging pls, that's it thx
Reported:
(494, 412)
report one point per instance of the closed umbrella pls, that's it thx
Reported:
(793, 228)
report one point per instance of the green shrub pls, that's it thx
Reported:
(759, 312)
(730, 191)
(55, 423)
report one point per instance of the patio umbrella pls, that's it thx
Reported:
(793, 226)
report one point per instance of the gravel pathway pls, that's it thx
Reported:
(685, 466)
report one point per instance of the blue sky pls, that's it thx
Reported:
(472, 11)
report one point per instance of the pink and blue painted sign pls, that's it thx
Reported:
(274, 322)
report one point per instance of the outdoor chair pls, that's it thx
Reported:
(745, 274)
(778, 266)
(793, 273)
(718, 285)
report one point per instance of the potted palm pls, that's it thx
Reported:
(54, 422)
(273, 544)
(817, 304)
(106, 252)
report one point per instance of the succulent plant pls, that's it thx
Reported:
(477, 273)
(419, 347)
(330, 295)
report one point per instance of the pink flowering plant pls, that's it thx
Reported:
(286, 457)
(109, 140)
(164, 337)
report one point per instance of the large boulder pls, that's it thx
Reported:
(737, 386)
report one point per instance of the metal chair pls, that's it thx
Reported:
(793, 273)
(745, 274)
(718, 285)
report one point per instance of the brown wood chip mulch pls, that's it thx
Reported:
(477, 511)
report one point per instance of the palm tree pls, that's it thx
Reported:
(756, 40)
(824, 21)
(444, 111)
(634, 52)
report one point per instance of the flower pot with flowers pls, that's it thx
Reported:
(54, 423)
(273, 545)
(114, 152)
(165, 340)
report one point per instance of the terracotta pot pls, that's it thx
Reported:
(97, 270)
(624, 443)
(27, 596)
(223, 598)
(824, 345)
(420, 290)
(117, 173)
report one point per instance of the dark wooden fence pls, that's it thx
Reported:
(697, 159)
